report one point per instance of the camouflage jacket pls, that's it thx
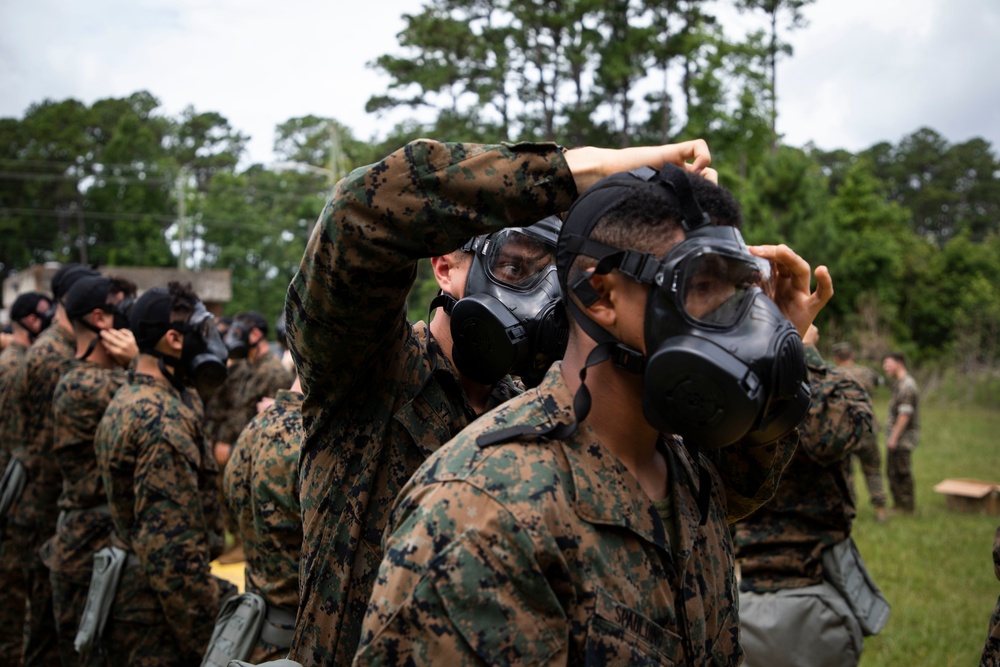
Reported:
(262, 495)
(780, 546)
(80, 399)
(161, 481)
(866, 377)
(265, 376)
(379, 393)
(10, 359)
(548, 551)
(904, 400)
(27, 426)
(219, 406)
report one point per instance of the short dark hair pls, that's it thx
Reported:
(896, 356)
(645, 220)
(251, 319)
(183, 301)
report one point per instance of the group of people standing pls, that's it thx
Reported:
(546, 471)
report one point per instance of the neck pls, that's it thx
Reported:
(617, 419)
(99, 355)
(478, 394)
(257, 351)
(61, 320)
(147, 364)
(21, 336)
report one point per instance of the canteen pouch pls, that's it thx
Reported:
(108, 565)
(237, 628)
(12, 485)
(845, 570)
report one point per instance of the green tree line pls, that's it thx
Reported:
(909, 229)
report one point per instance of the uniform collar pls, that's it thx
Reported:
(605, 492)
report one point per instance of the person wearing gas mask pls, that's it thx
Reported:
(30, 315)
(264, 376)
(381, 394)
(26, 430)
(793, 551)
(161, 483)
(98, 308)
(586, 521)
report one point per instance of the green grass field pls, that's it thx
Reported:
(936, 567)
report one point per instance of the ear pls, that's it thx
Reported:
(602, 310)
(173, 341)
(101, 319)
(451, 271)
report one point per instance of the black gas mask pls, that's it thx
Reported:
(46, 318)
(722, 363)
(238, 340)
(511, 318)
(204, 354)
(202, 363)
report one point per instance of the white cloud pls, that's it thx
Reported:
(863, 70)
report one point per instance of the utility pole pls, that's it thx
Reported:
(181, 220)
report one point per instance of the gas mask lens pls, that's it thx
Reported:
(715, 286)
(516, 259)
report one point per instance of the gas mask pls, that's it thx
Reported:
(511, 319)
(46, 321)
(204, 354)
(722, 363)
(238, 340)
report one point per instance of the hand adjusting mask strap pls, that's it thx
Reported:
(723, 363)
(510, 320)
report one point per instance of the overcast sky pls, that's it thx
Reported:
(863, 70)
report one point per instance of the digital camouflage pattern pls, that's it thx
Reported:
(84, 526)
(379, 393)
(868, 451)
(160, 478)
(27, 430)
(904, 400)
(899, 461)
(991, 650)
(264, 376)
(219, 406)
(13, 595)
(779, 546)
(262, 496)
(10, 359)
(548, 551)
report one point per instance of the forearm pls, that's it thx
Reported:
(346, 304)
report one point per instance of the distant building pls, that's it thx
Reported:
(214, 286)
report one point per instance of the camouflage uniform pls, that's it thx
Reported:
(219, 406)
(262, 495)
(13, 594)
(84, 526)
(31, 521)
(264, 376)
(548, 551)
(380, 394)
(991, 650)
(899, 469)
(780, 546)
(868, 452)
(160, 479)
